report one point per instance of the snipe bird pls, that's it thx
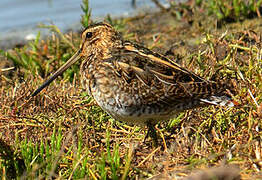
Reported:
(134, 84)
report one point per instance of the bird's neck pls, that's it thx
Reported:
(106, 49)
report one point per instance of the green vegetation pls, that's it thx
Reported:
(87, 13)
(232, 10)
(63, 134)
(27, 60)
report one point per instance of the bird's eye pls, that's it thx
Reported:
(89, 35)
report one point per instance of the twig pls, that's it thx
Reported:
(249, 91)
(150, 155)
(158, 4)
(7, 69)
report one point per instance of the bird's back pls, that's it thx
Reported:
(138, 85)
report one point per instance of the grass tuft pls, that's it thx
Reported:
(85, 20)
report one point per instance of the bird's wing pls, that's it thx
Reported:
(158, 76)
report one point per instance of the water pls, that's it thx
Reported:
(19, 18)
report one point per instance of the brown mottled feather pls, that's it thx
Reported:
(131, 77)
(135, 84)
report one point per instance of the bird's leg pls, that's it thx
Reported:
(151, 132)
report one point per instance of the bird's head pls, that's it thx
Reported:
(97, 40)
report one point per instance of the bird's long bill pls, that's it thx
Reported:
(62, 69)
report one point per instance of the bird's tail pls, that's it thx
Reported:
(219, 101)
(221, 94)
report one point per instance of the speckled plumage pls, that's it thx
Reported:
(134, 84)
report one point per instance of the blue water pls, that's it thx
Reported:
(19, 18)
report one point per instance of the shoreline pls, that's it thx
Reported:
(17, 38)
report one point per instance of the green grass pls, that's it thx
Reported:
(86, 17)
(235, 10)
(45, 158)
(27, 60)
